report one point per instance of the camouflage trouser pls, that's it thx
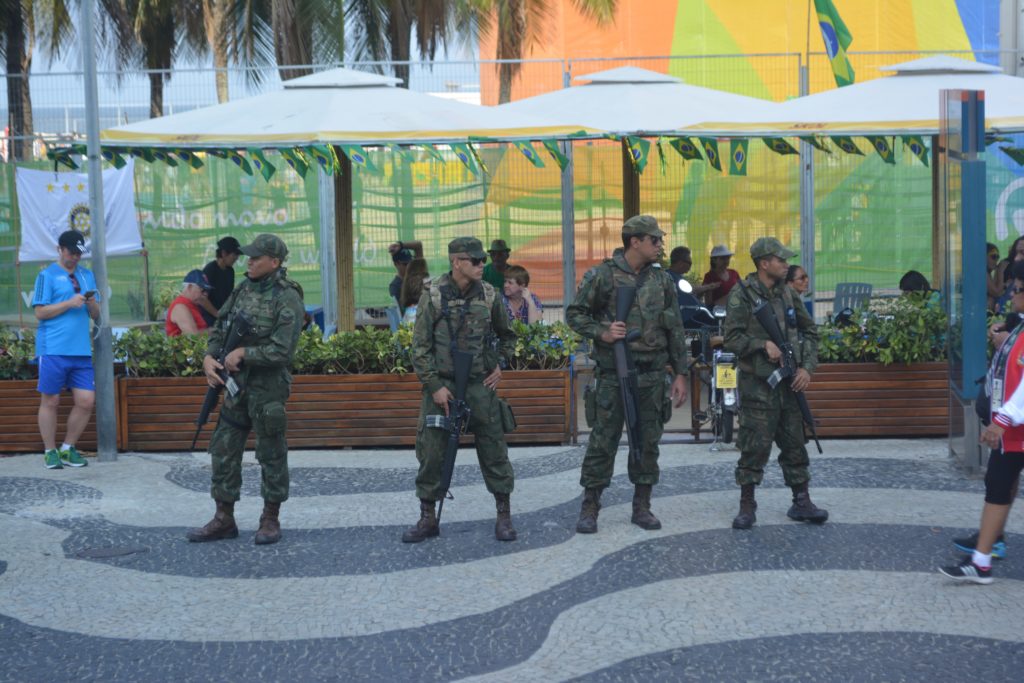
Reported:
(655, 410)
(768, 415)
(486, 425)
(265, 414)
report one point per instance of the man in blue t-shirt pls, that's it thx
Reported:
(65, 299)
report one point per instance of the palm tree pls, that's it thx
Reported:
(383, 30)
(16, 43)
(520, 25)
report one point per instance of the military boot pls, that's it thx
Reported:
(802, 509)
(221, 526)
(426, 528)
(503, 530)
(270, 528)
(587, 523)
(642, 515)
(748, 508)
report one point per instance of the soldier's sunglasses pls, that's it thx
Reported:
(475, 261)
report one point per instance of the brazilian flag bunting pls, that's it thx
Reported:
(882, 146)
(529, 152)
(218, 152)
(738, 156)
(189, 158)
(432, 152)
(846, 143)
(265, 168)
(324, 157)
(816, 143)
(662, 161)
(296, 159)
(358, 156)
(143, 153)
(710, 146)
(556, 153)
(1015, 154)
(113, 157)
(239, 161)
(61, 155)
(685, 148)
(466, 155)
(915, 143)
(165, 156)
(837, 40)
(780, 146)
(401, 152)
(638, 149)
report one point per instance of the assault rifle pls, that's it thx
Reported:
(787, 364)
(456, 422)
(626, 373)
(239, 327)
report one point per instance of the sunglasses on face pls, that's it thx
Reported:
(475, 261)
(656, 241)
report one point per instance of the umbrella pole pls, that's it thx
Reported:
(630, 184)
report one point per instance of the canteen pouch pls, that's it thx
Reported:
(508, 418)
(590, 405)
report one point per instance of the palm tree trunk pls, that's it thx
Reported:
(399, 38)
(156, 94)
(292, 41)
(19, 99)
(215, 24)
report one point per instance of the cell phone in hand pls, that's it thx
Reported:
(89, 294)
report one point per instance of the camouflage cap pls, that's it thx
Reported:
(266, 245)
(466, 245)
(769, 246)
(499, 245)
(642, 225)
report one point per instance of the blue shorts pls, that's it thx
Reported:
(73, 372)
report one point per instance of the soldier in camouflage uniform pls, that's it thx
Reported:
(460, 310)
(655, 313)
(767, 414)
(260, 367)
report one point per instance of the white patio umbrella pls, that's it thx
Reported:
(340, 106)
(628, 100)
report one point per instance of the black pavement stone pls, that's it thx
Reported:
(501, 638)
(814, 658)
(17, 493)
(376, 549)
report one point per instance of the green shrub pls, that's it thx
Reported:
(16, 354)
(904, 330)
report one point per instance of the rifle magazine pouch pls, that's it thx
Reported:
(508, 418)
(590, 405)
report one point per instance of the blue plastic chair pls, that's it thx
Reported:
(852, 295)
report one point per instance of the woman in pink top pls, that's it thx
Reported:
(721, 276)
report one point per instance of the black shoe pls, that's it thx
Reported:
(968, 571)
(969, 544)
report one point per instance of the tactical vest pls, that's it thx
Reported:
(469, 320)
(648, 313)
(257, 300)
(784, 309)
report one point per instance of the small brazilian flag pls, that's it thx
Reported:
(218, 152)
(837, 40)
(662, 161)
(710, 146)
(165, 156)
(324, 157)
(432, 152)
(239, 161)
(780, 146)
(465, 154)
(61, 155)
(738, 156)
(113, 157)
(265, 168)
(638, 149)
(296, 159)
(189, 158)
(610, 136)
(846, 143)
(552, 147)
(882, 146)
(143, 153)
(686, 149)
(529, 152)
(915, 143)
(816, 143)
(358, 156)
(1015, 154)
(400, 152)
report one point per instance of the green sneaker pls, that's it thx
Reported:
(72, 458)
(52, 459)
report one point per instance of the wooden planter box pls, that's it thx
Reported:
(19, 425)
(334, 411)
(873, 400)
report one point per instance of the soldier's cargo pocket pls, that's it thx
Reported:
(590, 405)
(275, 420)
(508, 418)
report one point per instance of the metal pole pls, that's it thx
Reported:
(806, 195)
(568, 215)
(106, 415)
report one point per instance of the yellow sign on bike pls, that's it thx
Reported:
(725, 377)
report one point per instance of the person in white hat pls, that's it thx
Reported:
(721, 278)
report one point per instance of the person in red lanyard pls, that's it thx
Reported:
(1005, 436)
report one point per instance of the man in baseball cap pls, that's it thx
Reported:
(494, 272)
(220, 272)
(184, 315)
(72, 240)
(771, 412)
